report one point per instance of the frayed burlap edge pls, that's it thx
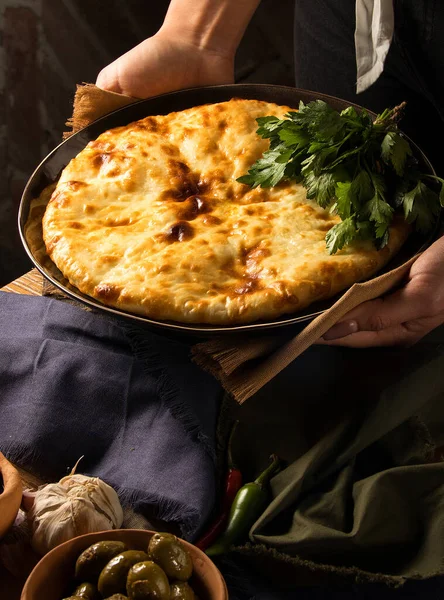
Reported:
(91, 103)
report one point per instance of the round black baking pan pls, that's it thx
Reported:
(51, 166)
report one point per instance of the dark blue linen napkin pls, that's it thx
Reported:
(143, 416)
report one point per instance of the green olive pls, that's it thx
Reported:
(88, 591)
(181, 590)
(73, 598)
(170, 554)
(147, 581)
(92, 560)
(117, 597)
(112, 579)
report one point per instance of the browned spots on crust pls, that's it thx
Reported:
(218, 108)
(192, 207)
(58, 196)
(167, 149)
(258, 230)
(151, 124)
(204, 184)
(256, 210)
(98, 160)
(257, 254)
(326, 268)
(206, 117)
(183, 182)
(178, 168)
(101, 145)
(228, 264)
(107, 292)
(51, 243)
(256, 196)
(282, 295)
(60, 199)
(109, 259)
(179, 232)
(75, 225)
(211, 220)
(325, 226)
(240, 223)
(222, 125)
(164, 269)
(248, 286)
(89, 209)
(129, 184)
(114, 172)
(117, 221)
(75, 185)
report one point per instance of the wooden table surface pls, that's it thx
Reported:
(30, 284)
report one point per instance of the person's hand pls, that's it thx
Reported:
(400, 318)
(163, 64)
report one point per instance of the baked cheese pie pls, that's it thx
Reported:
(149, 219)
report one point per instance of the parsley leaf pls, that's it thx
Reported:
(321, 187)
(341, 234)
(320, 120)
(395, 149)
(421, 206)
(377, 209)
(267, 171)
(361, 169)
(344, 202)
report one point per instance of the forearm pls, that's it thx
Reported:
(213, 25)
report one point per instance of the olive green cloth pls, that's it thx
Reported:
(362, 497)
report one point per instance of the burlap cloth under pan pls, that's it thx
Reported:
(362, 497)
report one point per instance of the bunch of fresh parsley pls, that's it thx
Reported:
(359, 169)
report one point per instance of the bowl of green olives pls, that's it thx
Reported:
(125, 564)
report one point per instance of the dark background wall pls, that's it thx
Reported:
(47, 46)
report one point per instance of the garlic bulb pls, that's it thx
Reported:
(77, 504)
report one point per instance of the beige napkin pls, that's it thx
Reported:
(244, 364)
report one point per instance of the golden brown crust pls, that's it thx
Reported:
(149, 218)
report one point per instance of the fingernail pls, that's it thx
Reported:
(340, 330)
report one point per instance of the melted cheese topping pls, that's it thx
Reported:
(149, 218)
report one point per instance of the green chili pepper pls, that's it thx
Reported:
(249, 502)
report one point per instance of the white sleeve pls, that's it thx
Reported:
(373, 36)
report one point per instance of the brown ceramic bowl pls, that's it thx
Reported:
(11, 496)
(51, 577)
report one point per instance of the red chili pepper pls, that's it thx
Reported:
(233, 482)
